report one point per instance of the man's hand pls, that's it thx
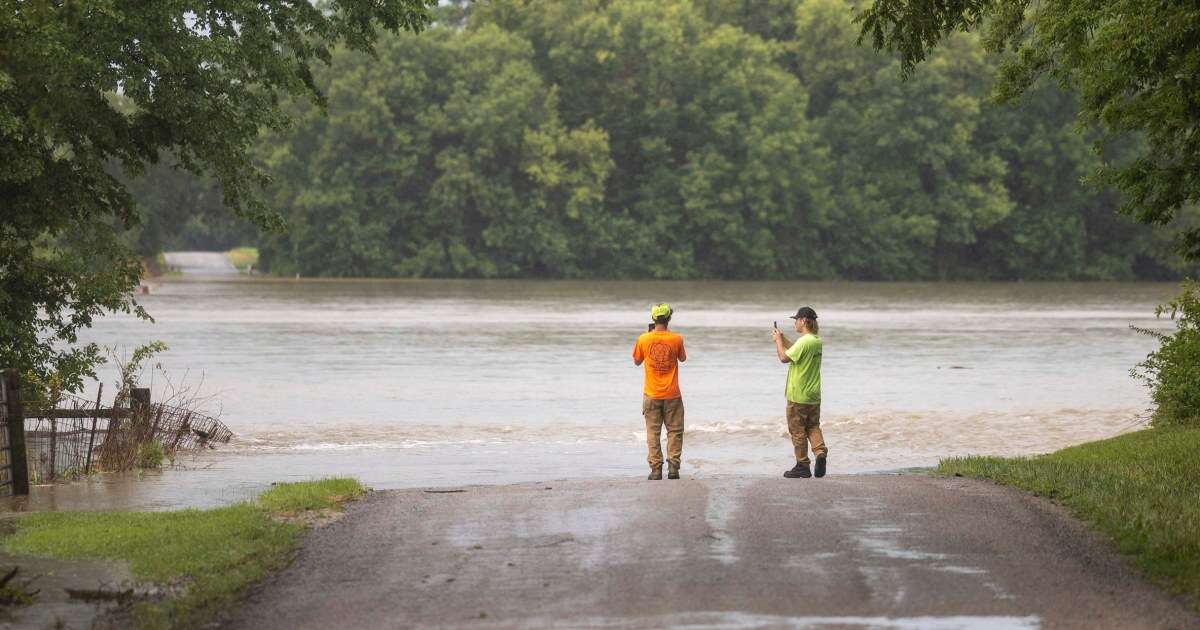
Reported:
(781, 344)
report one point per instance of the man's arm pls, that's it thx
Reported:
(682, 352)
(638, 357)
(781, 346)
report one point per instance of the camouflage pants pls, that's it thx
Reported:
(658, 413)
(804, 424)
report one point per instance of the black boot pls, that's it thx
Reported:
(655, 473)
(672, 472)
(799, 472)
(820, 468)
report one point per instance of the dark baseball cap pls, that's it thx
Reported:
(805, 313)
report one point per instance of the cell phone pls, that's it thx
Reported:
(775, 325)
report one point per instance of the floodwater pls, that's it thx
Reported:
(426, 383)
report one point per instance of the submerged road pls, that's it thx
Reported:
(200, 263)
(870, 551)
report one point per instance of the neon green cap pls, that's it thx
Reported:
(660, 310)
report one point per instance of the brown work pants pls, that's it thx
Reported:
(658, 413)
(804, 424)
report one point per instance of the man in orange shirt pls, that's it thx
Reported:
(660, 351)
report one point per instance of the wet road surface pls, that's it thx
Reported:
(200, 263)
(858, 551)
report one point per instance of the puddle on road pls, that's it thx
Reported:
(983, 576)
(70, 593)
(885, 539)
(890, 548)
(719, 509)
(746, 621)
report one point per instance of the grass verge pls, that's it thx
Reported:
(211, 555)
(1141, 489)
(290, 498)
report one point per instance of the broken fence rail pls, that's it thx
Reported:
(76, 436)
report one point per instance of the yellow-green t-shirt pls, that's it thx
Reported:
(804, 371)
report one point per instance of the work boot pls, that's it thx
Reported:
(672, 472)
(819, 471)
(655, 473)
(799, 472)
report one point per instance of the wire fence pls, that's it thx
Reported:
(77, 437)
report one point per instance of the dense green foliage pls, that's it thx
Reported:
(1134, 63)
(1173, 371)
(213, 554)
(94, 89)
(1140, 489)
(677, 139)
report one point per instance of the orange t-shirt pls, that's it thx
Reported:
(659, 353)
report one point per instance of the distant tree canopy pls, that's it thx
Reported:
(93, 91)
(689, 139)
(1134, 63)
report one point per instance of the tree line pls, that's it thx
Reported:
(671, 139)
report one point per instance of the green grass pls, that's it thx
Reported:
(215, 553)
(288, 498)
(1141, 489)
(243, 257)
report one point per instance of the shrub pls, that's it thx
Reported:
(150, 455)
(1173, 371)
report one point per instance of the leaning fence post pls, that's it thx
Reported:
(53, 445)
(16, 432)
(87, 467)
(139, 398)
(139, 405)
(139, 408)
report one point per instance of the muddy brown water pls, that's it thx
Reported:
(426, 383)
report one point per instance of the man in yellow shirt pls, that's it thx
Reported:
(803, 392)
(660, 352)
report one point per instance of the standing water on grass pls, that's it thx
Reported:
(447, 383)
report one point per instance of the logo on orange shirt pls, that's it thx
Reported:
(661, 358)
